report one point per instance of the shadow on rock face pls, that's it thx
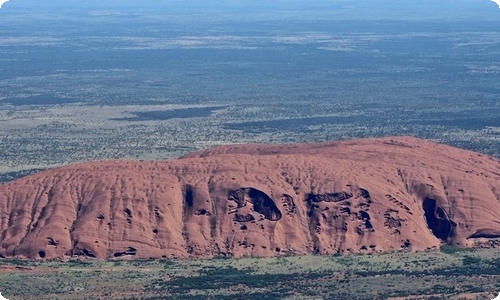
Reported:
(262, 203)
(437, 220)
(486, 233)
(330, 197)
(188, 195)
(130, 251)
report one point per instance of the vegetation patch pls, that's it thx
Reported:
(162, 115)
(424, 275)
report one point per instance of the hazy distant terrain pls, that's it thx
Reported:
(87, 80)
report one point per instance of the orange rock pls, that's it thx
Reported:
(366, 195)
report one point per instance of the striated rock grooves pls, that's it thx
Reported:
(365, 195)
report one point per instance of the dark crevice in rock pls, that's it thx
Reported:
(188, 195)
(437, 220)
(364, 215)
(399, 203)
(243, 218)
(52, 242)
(329, 197)
(368, 225)
(127, 212)
(345, 210)
(41, 254)
(130, 251)
(157, 212)
(202, 212)
(364, 194)
(187, 210)
(485, 233)
(88, 253)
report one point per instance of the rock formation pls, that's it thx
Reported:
(368, 195)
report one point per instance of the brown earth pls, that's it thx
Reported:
(366, 195)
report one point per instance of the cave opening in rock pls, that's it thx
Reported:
(263, 204)
(88, 253)
(127, 212)
(437, 220)
(364, 215)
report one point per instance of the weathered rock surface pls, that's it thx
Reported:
(365, 195)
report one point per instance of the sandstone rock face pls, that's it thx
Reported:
(367, 195)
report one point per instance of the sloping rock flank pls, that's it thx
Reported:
(367, 195)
